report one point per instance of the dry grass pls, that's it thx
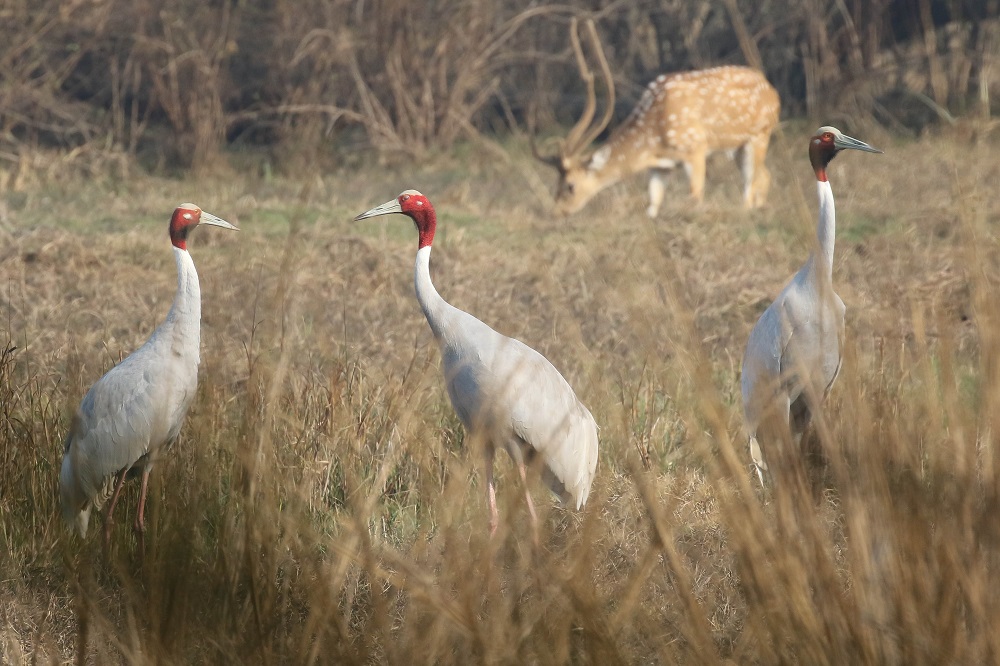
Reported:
(321, 508)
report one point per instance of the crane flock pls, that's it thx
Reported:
(506, 394)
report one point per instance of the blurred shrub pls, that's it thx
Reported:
(173, 81)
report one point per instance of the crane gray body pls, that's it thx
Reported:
(507, 395)
(135, 409)
(511, 396)
(138, 407)
(793, 355)
(794, 352)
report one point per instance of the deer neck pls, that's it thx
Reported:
(631, 149)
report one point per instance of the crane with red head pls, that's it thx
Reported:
(507, 395)
(794, 352)
(135, 411)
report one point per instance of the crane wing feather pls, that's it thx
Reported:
(137, 406)
(797, 333)
(546, 414)
(115, 426)
(510, 392)
(761, 379)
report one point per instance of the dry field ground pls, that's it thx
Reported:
(320, 506)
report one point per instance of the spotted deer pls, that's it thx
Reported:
(680, 119)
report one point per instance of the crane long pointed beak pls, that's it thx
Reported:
(844, 142)
(208, 218)
(386, 208)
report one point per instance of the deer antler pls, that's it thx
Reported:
(551, 160)
(579, 137)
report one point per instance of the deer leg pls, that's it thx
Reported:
(695, 167)
(759, 181)
(657, 187)
(747, 159)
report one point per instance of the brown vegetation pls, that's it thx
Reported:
(321, 507)
(175, 81)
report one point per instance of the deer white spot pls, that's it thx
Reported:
(718, 109)
(600, 158)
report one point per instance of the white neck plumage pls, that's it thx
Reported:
(184, 317)
(430, 300)
(826, 230)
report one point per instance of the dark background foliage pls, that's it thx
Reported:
(175, 81)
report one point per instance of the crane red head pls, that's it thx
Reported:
(416, 206)
(186, 217)
(825, 145)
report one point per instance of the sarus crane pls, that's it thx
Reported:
(135, 411)
(507, 395)
(794, 352)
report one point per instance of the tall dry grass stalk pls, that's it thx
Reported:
(321, 507)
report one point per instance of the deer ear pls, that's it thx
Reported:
(599, 158)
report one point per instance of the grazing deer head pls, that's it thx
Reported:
(575, 187)
(680, 119)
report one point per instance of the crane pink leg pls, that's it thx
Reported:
(109, 514)
(140, 516)
(491, 496)
(527, 496)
